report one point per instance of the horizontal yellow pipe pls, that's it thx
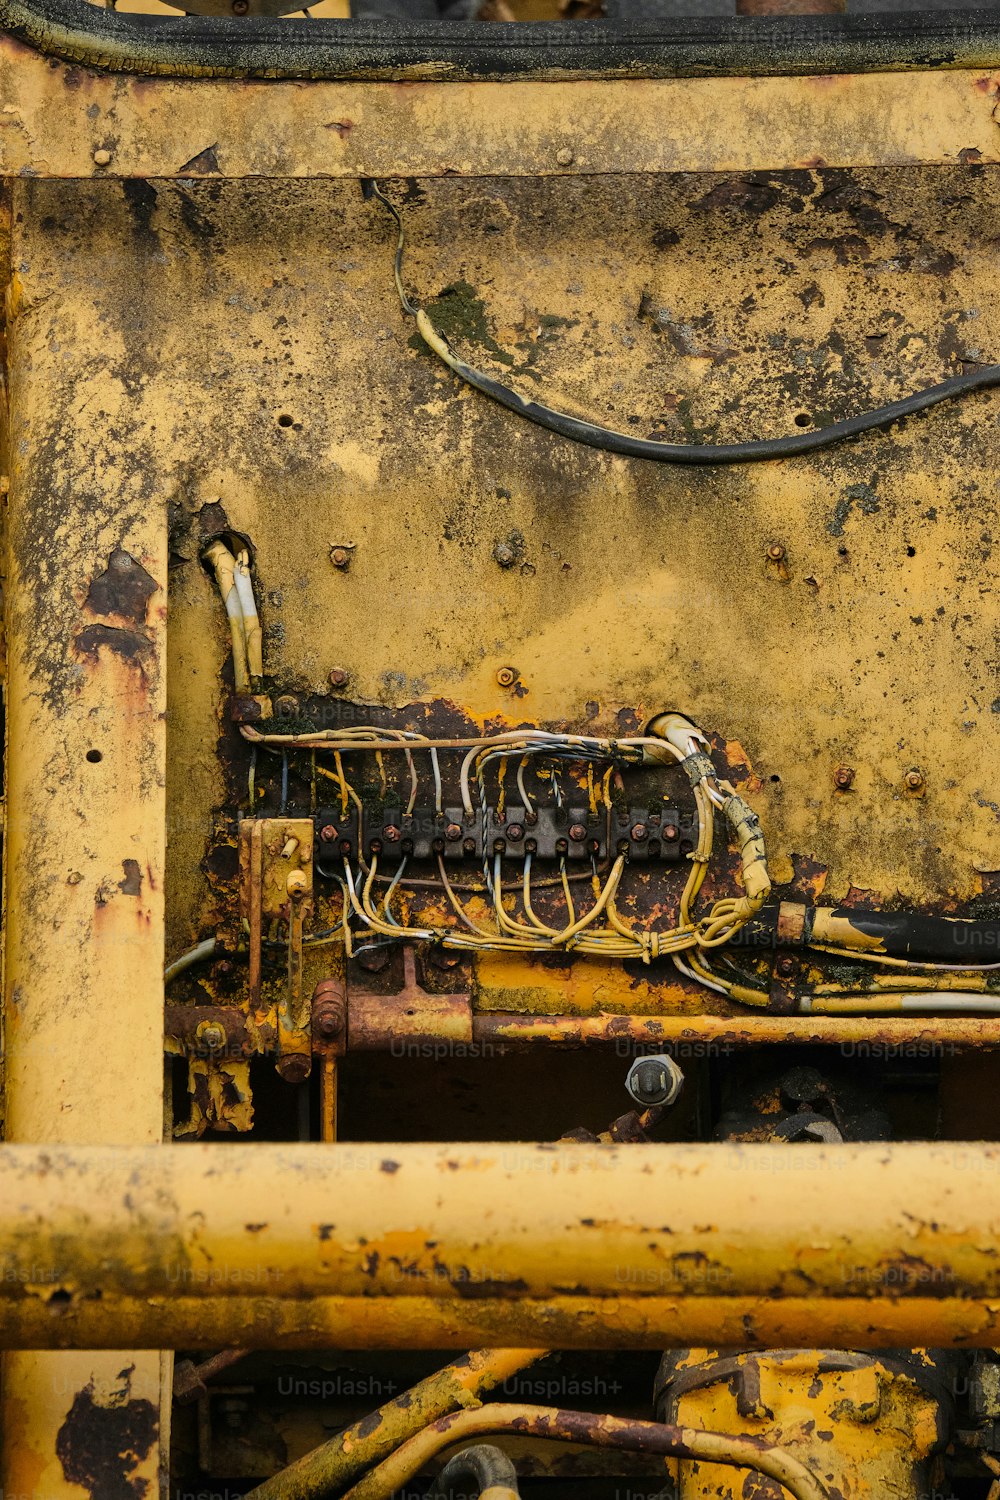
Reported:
(522, 1244)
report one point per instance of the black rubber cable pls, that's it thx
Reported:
(609, 440)
(484, 1466)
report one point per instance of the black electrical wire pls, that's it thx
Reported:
(610, 441)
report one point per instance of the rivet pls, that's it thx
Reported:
(505, 554)
(564, 156)
(102, 158)
(340, 557)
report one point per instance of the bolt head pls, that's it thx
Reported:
(339, 678)
(515, 831)
(843, 777)
(914, 779)
(786, 967)
(671, 833)
(468, 846)
(639, 832)
(564, 156)
(505, 554)
(392, 834)
(295, 1068)
(578, 833)
(453, 832)
(374, 961)
(328, 1022)
(340, 557)
(286, 706)
(776, 552)
(328, 833)
(211, 1035)
(102, 158)
(507, 676)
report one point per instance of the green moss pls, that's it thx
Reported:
(460, 316)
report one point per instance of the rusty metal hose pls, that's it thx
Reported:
(595, 1430)
(336, 1464)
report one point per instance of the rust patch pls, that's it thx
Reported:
(122, 591)
(206, 162)
(131, 884)
(132, 648)
(99, 1447)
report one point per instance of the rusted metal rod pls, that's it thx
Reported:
(596, 1431)
(89, 1235)
(329, 1469)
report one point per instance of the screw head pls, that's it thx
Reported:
(776, 552)
(339, 678)
(505, 554)
(507, 676)
(843, 777)
(286, 706)
(515, 831)
(453, 832)
(102, 158)
(671, 833)
(328, 833)
(639, 832)
(392, 834)
(578, 833)
(786, 967)
(339, 556)
(914, 779)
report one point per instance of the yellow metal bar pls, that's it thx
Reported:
(62, 121)
(85, 855)
(642, 1238)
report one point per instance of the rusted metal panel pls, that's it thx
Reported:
(61, 120)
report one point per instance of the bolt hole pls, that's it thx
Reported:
(285, 420)
(911, 551)
(841, 551)
(775, 780)
(803, 419)
(94, 756)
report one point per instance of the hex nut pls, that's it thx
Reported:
(654, 1080)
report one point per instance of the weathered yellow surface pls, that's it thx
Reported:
(85, 829)
(570, 1237)
(55, 116)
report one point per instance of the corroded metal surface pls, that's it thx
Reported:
(57, 118)
(86, 699)
(568, 1227)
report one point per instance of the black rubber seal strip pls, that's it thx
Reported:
(443, 51)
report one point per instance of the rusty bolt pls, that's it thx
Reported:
(776, 552)
(453, 832)
(373, 960)
(340, 557)
(843, 777)
(223, 968)
(240, 7)
(328, 833)
(515, 832)
(210, 1035)
(505, 554)
(102, 158)
(671, 832)
(578, 833)
(295, 1068)
(914, 779)
(564, 156)
(507, 676)
(339, 678)
(329, 1008)
(285, 706)
(786, 967)
(468, 846)
(639, 832)
(392, 834)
